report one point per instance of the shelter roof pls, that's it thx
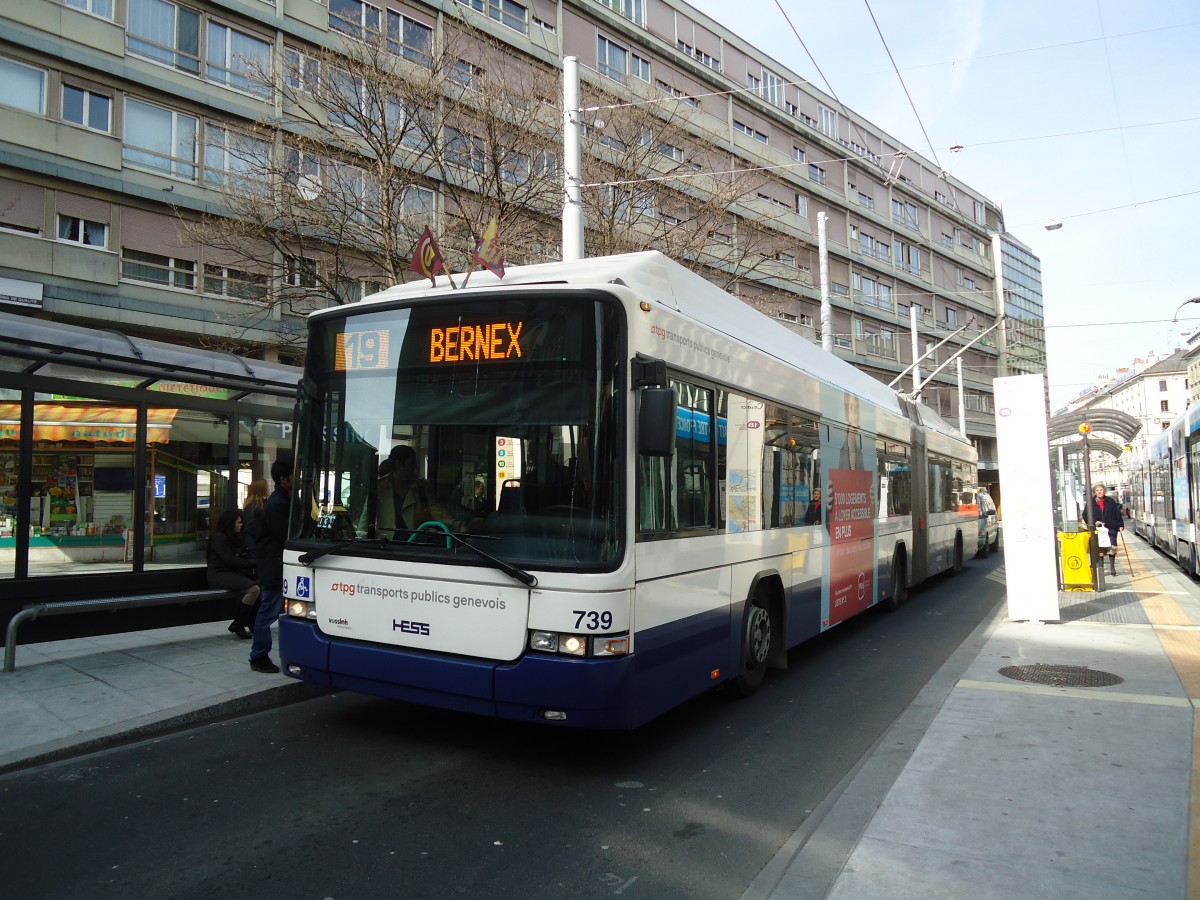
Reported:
(30, 345)
(1111, 421)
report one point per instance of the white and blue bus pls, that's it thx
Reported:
(592, 490)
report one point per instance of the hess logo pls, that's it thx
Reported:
(406, 627)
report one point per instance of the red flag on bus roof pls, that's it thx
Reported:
(488, 253)
(427, 258)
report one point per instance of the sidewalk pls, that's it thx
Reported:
(986, 787)
(67, 697)
(990, 787)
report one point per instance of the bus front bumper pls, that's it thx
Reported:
(583, 693)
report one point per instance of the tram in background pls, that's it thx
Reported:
(633, 488)
(1165, 490)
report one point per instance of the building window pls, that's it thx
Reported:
(300, 71)
(514, 15)
(231, 157)
(699, 55)
(951, 318)
(866, 200)
(772, 88)
(816, 173)
(409, 38)
(164, 32)
(101, 8)
(160, 139)
(86, 108)
(904, 213)
(908, 257)
(237, 60)
(980, 213)
(640, 68)
(226, 282)
(417, 201)
(75, 230)
(1164, 406)
(25, 87)
(797, 153)
(137, 265)
(465, 150)
(633, 10)
(829, 122)
(802, 205)
(752, 132)
(301, 272)
(671, 152)
(675, 92)
(1162, 384)
(611, 58)
(303, 172)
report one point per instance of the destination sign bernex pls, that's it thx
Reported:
(494, 340)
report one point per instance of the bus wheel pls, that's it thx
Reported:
(756, 647)
(958, 555)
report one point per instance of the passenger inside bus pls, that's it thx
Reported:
(404, 500)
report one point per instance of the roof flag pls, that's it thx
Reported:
(488, 254)
(427, 259)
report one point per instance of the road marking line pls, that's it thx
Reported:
(1183, 650)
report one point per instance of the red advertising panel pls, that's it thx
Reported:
(851, 523)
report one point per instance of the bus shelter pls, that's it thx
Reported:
(1109, 431)
(117, 452)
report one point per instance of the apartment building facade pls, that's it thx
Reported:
(127, 119)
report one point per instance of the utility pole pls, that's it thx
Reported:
(572, 227)
(823, 264)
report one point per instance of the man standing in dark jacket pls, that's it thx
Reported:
(1107, 515)
(271, 535)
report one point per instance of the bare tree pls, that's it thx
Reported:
(654, 183)
(335, 195)
(389, 131)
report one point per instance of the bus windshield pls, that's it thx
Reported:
(494, 418)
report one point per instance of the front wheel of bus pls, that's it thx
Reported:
(756, 647)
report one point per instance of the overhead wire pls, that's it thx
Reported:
(900, 77)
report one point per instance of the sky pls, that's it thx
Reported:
(1081, 111)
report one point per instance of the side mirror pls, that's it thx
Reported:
(656, 421)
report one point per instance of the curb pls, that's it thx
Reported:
(224, 706)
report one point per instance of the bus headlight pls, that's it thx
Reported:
(302, 609)
(579, 644)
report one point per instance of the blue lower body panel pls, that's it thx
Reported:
(594, 693)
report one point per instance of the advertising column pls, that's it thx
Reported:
(1023, 448)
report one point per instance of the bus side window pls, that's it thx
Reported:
(693, 485)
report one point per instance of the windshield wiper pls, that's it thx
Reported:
(308, 558)
(509, 569)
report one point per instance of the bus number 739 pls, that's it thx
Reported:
(594, 620)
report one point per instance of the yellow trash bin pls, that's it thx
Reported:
(1075, 562)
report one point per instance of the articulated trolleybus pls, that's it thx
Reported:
(593, 490)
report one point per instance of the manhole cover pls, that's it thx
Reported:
(1061, 676)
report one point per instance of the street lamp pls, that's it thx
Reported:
(1175, 318)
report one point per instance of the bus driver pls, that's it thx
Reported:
(404, 501)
